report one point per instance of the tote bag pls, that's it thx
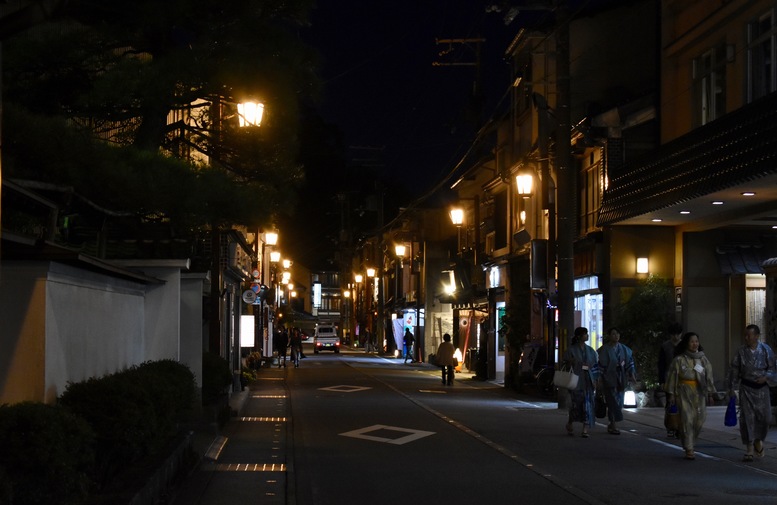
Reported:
(565, 379)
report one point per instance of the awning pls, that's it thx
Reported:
(740, 258)
(737, 148)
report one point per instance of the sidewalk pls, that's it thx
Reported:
(246, 461)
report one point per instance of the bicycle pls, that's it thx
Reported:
(544, 380)
(534, 373)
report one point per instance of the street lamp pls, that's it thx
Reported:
(250, 113)
(271, 239)
(457, 218)
(400, 250)
(524, 182)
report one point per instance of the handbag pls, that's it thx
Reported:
(565, 379)
(672, 418)
(600, 406)
(730, 418)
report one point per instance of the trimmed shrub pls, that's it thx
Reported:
(46, 453)
(172, 390)
(133, 413)
(216, 376)
(122, 416)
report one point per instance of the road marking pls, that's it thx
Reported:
(434, 391)
(558, 481)
(245, 467)
(263, 419)
(412, 436)
(345, 389)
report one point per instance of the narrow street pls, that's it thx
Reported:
(349, 427)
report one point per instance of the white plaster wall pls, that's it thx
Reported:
(163, 315)
(22, 331)
(191, 324)
(94, 326)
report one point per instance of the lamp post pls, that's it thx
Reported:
(271, 239)
(457, 218)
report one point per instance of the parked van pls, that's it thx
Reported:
(326, 339)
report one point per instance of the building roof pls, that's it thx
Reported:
(739, 147)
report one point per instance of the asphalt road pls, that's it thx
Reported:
(352, 428)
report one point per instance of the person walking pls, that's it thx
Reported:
(295, 345)
(408, 343)
(301, 351)
(690, 386)
(665, 356)
(616, 365)
(281, 343)
(446, 360)
(368, 346)
(584, 362)
(752, 368)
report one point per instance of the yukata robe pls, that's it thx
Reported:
(616, 364)
(584, 363)
(755, 409)
(690, 381)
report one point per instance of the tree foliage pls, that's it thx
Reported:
(131, 102)
(642, 319)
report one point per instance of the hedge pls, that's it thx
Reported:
(216, 376)
(46, 455)
(133, 413)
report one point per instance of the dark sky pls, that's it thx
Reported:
(382, 90)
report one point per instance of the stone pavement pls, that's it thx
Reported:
(247, 462)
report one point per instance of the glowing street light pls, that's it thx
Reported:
(250, 113)
(457, 216)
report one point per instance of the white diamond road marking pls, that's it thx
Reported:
(412, 436)
(345, 389)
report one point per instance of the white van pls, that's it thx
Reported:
(326, 339)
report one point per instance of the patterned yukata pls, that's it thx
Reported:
(755, 409)
(616, 365)
(689, 379)
(584, 363)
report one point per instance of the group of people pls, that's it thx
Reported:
(288, 339)
(605, 372)
(685, 373)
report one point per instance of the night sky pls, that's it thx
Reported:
(381, 88)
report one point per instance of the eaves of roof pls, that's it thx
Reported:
(739, 147)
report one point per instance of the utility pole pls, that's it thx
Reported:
(567, 181)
